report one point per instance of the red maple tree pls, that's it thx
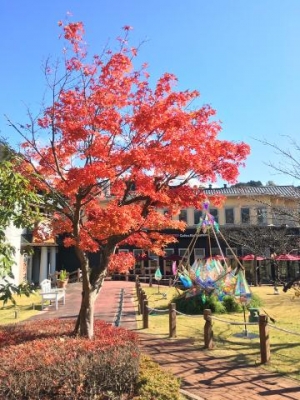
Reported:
(110, 151)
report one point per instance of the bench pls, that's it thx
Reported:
(47, 293)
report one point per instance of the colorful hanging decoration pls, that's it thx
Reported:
(242, 290)
(208, 220)
(174, 268)
(205, 277)
(158, 274)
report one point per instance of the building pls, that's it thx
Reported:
(245, 206)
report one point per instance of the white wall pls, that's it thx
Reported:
(13, 237)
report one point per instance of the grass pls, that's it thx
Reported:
(230, 340)
(26, 307)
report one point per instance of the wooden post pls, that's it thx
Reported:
(139, 296)
(264, 339)
(172, 320)
(150, 281)
(146, 315)
(143, 299)
(137, 287)
(170, 282)
(208, 332)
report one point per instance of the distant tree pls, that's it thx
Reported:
(250, 183)
(260, 241)
(19, 206)
(113, 151)
(288, 164)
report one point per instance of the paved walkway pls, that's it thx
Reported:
(203, 376)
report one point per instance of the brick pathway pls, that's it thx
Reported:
(106, 307)
(203, 376)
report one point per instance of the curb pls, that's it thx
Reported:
(190, 396)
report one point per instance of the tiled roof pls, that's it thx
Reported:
(278, 191)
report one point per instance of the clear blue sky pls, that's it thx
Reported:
(242, 55)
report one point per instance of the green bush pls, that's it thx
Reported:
(155, 383)
(197, 304)
(231, 305)
(255, 302)
(215, 305)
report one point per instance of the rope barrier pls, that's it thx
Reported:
(284, 330)
(188, 315)
(232, 322)
(156, 310)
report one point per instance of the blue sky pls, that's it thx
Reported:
(242, 55)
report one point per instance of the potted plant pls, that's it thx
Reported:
(62, 279)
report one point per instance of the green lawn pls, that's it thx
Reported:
(26, 308)
(230, 340)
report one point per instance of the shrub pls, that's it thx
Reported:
(215, 305)
(198, 303)
(231, 305)
(155, 383)
(255, 301)
(42, 359)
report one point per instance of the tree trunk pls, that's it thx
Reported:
(92, 281)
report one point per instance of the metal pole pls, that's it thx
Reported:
(244, 310)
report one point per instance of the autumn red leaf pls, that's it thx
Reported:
(115, 151)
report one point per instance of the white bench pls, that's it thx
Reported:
(47, 293)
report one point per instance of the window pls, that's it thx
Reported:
(199, 253)
(197, 216)
(231, 252)
(245, 215)
(123, 251)
(215, 214)
(182, 252)
(261, 215)
(229, 216)
(169, 252)
(137, 252)
(183, 215)
(215, 251)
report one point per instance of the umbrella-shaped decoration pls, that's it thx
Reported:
(225, 286)
(242, 290)
(185, 278)
(197, 266)
(251, 257)
(157, 277)
(287, 257)
(209, 274)
(219, 257)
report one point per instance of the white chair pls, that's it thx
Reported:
(48, 293)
